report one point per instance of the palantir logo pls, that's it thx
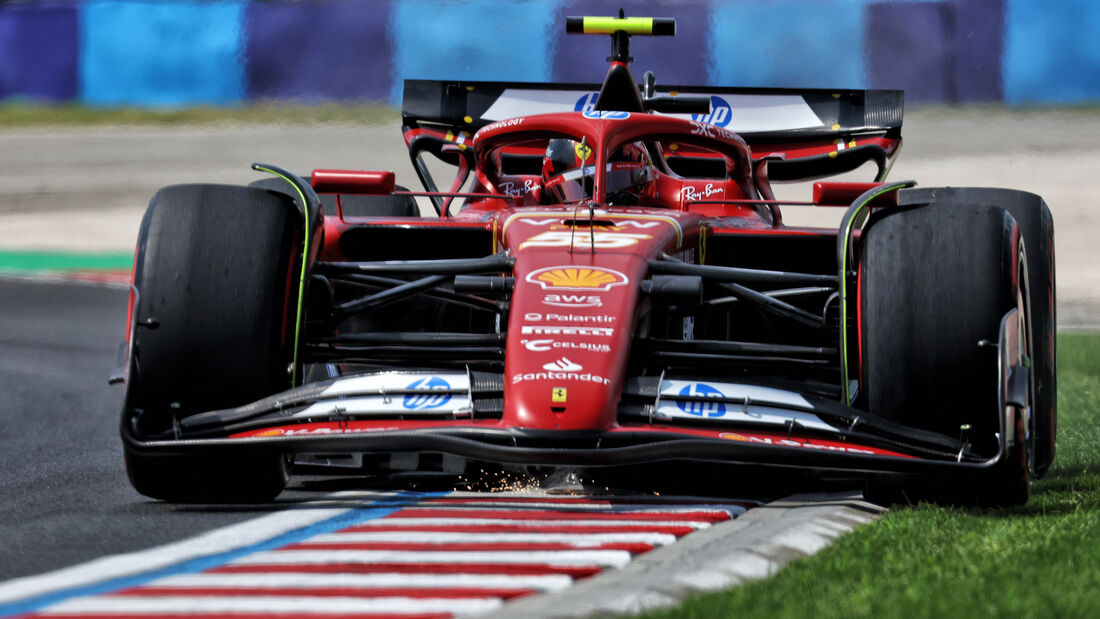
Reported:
(720, 113)
(425, 399)
(702, 409)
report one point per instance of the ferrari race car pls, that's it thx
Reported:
(606, 281)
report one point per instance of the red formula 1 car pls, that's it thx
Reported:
(608, 282)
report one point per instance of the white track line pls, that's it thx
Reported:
(445, 537)
(455, 522)
(594, 507)
(602, 558)
(547, 582)
(116, 566)
(568, 509)
(151, 606)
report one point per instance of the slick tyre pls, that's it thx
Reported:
(212, 329)
(934, 284)
(1037, 227)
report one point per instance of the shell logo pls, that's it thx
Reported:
(577, 278)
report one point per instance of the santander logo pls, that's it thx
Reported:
(563, 365)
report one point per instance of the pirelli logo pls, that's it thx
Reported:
(566, 330)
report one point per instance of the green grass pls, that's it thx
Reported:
(1040, 560)
(24, 261)
(14, 113)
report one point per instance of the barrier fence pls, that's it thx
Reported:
(185, 52)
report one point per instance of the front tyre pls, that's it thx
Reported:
(936, 283)
(1037, 228)
(212, 329)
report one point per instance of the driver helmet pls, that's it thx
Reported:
(568, 171)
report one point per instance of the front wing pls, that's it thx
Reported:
(659, 419)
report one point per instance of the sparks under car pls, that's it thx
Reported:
(606, 281)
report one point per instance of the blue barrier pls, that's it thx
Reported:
(161, 53)
(807, 44)
(1052, 51)
(936, 51)
(486, 40)
(38, 52)
(319, 51)
(183, 52)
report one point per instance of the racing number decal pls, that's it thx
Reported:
(579, 239)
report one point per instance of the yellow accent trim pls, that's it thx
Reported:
(609, 25)
(836, 127)
(301, 276)
(702, 243)
(668, 220)
(468, 119)
(844, 256)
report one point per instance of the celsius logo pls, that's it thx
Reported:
(720, 113)
(544, 345)
(426, 399)
(563, 365)
(702, 409)
(587, 102)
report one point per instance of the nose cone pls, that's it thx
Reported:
(569, 338)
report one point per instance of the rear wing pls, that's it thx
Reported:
(816, 132)
(758, 114)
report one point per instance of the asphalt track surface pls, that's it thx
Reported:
(65, 497)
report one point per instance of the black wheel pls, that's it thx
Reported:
(935, 284)
(216, 299)
(353, 205)
(1037, 227)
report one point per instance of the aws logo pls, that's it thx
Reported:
(577, 278)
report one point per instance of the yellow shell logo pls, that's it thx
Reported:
(577, 278)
